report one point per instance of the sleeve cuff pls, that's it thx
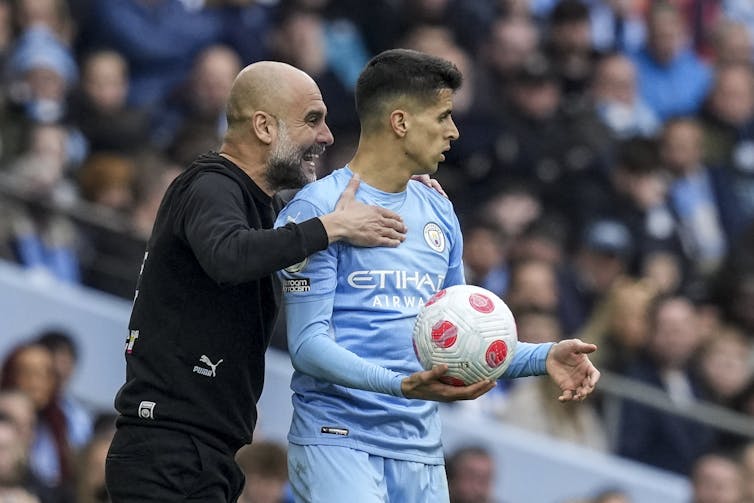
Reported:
(315, 234)
(539, 358)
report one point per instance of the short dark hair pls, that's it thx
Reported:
(402, 72)
(569, 11)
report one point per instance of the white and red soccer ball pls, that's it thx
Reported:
(470, 329)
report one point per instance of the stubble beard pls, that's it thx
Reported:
(285, 164)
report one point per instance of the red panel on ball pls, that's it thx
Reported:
(435, 297)
(444, 334)
(496, 353)
(481, 303)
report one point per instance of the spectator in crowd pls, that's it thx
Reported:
(484, 256)
(672, 79)
(618, 103)
(648, 435)
(14, 467)
(559, 150)
(734, 293)
(510, 43)
(53, 15)
(543, 238)
(569, 46)
(725, 365)
(728, 120)
(265, 466)
(742, 11)
(603, 255)
(728, 113)
(90, 483)
(159, 40)
(717, 477)
(149, 187)
(531, 405)
(197, 109)
(19, 407)
(106, 180)
(30, 368)
(619, 324)
(640, 201)
(664, 269)
(532, 285)
(65, 356)
(471, 475)
(617, 25)
(513, 209)
(731, 43)
(99, 108)
(299, 40)
(701, 197)
(42, 71)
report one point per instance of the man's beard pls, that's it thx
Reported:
(285, 165)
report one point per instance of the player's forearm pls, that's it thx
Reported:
(322, 358)
(529, 360)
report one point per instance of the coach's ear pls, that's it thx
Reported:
(399, 122)
(264, 126)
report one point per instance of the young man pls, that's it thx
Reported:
(207, 300)
(364, 426)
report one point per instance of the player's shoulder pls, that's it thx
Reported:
(430, 195)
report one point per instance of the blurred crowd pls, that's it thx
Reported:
(604, 178)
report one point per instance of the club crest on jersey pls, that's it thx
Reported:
(434, 237)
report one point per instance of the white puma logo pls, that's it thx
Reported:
(207, 372)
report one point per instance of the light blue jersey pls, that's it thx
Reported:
(350, 314)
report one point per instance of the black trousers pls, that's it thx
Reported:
(160, 465)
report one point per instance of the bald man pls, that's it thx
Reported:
(206, 300)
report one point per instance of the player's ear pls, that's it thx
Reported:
(262, 125)
(399, 122)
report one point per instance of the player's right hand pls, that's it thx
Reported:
(428, 386)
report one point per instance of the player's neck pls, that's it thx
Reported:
(378, 167)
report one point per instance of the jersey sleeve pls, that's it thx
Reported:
(455, 275)
(215, 225)
(529, 360)
(309, 293)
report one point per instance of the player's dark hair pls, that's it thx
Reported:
(402, 72)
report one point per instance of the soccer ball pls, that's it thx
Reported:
(470, 329)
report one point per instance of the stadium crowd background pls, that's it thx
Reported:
(604, 178)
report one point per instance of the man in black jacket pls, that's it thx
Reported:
(206, 300)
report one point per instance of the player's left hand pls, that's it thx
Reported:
(430, 182)
(569, 366)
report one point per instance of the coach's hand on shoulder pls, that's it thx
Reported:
(428, 386)
(431, 183)
(361, 224)
(569, 366)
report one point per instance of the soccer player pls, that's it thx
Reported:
(365, 427)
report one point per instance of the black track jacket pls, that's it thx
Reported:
(206, 304)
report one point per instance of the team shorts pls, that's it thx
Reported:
(336, 474)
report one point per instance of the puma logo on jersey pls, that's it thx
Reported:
(210, 372)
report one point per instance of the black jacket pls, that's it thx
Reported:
(206, 304)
